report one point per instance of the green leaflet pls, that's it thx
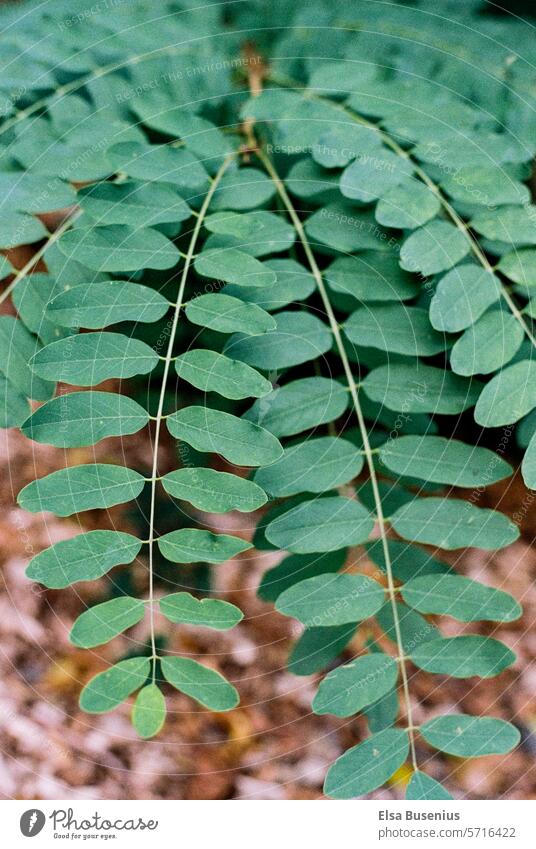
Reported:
(241, 442)
(101, 623)
(344, 228)
(17, 347)
(316, 465)
(449, 461)
(106, 302)
(149, 711)
(423, 788)
(78, 488)
(485, 186)
(244, 189)
(508, 396)
(31, 298)
(317, 647)
(209, 612)
(306, 179)
(463, 657)
(371, 276)
(327, 600)
(27, 192)
(231, 265)
(14, 407)
(214, 372)
(159, 163)
(228, 314)
(297, 567)
(325, 524)
(453, 523)
(82, 558)
(84, 418)
(337, 147)
(488, 345)
(407, 206)
(136, 204)
(293, 283)
(435, 247)
(470, 736)
(462, 296)
(520, 266)
(215, 492)
(299, 405)
(371, 175)
(421, 389)
(515, 225)
(119, 247)
(190, 545)
(367, 765)
(396, 328)
(256, 232)
(205, 685)
(454, 595)
(350, 688)
(528, 467)
(17, 228)
(90, 358)
(110, 688)
(297, 338)
(165, 114)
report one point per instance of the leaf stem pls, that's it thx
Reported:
(317, 274)
(167, 363)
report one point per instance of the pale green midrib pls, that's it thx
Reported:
(167, 364)
(364, 435)
(284, 82)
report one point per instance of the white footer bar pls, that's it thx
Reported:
(270, 825)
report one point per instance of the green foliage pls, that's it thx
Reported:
(329, 308)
